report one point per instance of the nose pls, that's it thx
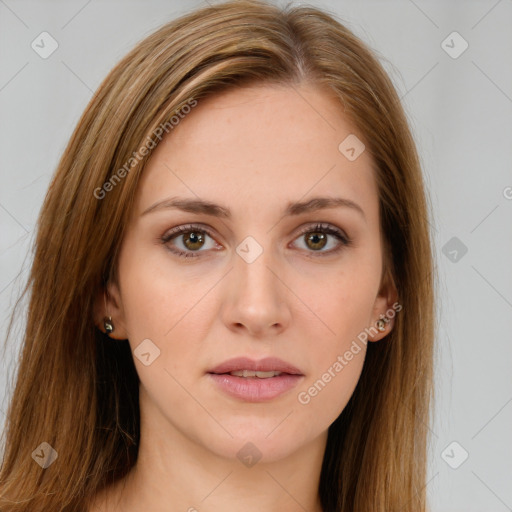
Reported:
(256, 297)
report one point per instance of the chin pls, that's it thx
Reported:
(263, 442)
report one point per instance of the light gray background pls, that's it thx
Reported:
(461, 112)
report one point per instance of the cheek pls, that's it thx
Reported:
(155, 294)
(165, 304)
(335, 365)
(323, 397)
(340, 306)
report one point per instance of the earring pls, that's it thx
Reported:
(108, 324)
(107, 321)
(381, 324)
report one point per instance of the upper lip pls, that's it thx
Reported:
(267, 364)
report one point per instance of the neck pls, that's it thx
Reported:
(175, 473)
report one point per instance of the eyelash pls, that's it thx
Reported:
(318, 228)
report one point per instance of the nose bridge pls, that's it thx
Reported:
(257, 300)
(252, 268)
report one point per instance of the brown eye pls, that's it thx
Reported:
(190, 240)
(316, 240)
(187, 240)
(193, 240)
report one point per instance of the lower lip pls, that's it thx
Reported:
(254, 389)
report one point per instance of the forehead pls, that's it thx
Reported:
(260, 145)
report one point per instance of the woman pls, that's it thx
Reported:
(231, 299)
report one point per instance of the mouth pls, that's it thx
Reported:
(263, 369)
(255, 381)
(253, 374)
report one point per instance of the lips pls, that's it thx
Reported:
(255, 381)
(269, 364)
(253, 389)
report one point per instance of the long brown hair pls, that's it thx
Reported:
(78, 391)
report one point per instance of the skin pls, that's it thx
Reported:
(251, 150)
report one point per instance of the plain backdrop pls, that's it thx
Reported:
(450, 62)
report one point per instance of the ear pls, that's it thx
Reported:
(108, 303)
(383, 307)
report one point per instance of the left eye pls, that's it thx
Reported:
(317, 238)
(194, 237)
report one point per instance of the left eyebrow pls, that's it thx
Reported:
(320, 203)
(200, 206)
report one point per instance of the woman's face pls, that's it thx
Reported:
(260, 279)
